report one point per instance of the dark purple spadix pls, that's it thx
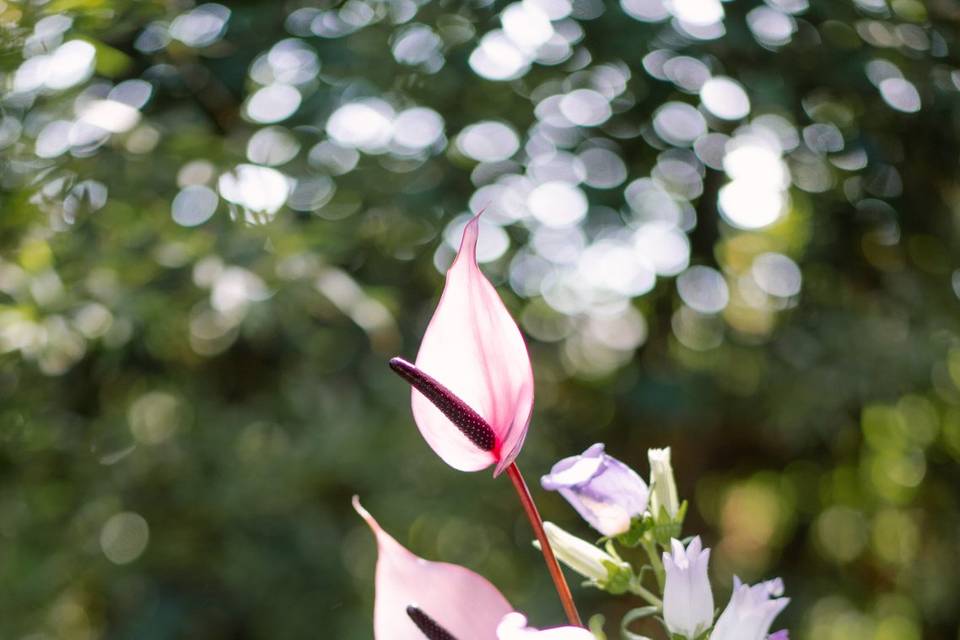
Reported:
(429, 627)
(470, 423)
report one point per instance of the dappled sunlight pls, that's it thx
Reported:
(727, 225)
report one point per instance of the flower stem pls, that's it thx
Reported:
(639, 590)
(651, 548)
(563, 590)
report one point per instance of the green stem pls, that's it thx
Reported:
(638, 590)
(651, 548)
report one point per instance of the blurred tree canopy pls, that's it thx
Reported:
(727, 227)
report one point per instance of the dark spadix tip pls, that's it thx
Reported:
(427, 625)
(470, 423)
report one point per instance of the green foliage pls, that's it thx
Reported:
(192, 352)
(664, 528)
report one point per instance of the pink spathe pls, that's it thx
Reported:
(461, 601)
(474, 348)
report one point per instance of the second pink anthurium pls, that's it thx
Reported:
(418, 599)
(473, 350)
(446, 596)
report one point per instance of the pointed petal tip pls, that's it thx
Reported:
(458, 600)
(468, 242)
(363, 513)
(695, 548)
(676, 547)
(367, 516)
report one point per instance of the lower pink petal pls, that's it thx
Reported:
(461, 601)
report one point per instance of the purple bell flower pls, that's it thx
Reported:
(603, 490)
(751, 611)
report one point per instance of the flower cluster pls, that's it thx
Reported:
(616, 501)
(472, 399)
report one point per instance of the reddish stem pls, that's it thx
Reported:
(537, 523)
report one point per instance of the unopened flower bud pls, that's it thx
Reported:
(587, 559)
(663, 488)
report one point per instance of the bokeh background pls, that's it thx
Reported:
(726, 227)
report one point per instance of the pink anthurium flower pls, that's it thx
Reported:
(414, 594)
(472, 375)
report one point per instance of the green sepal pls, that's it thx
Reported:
(618, 579)
(667, 528)
(703, 635)
(638, 528)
